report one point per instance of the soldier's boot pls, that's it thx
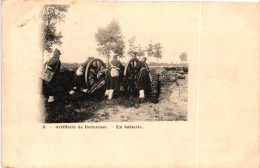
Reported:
(107, 93)
(110, 94)
(51, 99)
(141, 94)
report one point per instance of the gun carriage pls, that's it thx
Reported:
(95, 74)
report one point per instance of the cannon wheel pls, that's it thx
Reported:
(93, 67)
(131, 76)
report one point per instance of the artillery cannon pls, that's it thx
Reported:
(95, 73)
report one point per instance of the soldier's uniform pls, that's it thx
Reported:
(54, 65)
(78, 81)
(144, 81)
(112, 78)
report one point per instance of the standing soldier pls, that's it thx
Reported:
(112, 77)
(144, 79)
(53, 65)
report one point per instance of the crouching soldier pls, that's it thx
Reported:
(112, 78)
(144, 78)
(77, 81)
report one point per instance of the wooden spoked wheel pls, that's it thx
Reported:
(131, 77)
(93, 68)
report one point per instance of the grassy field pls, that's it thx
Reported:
(171, 105)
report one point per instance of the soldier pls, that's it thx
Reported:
(144, 79)
(78, 80)
(53, 65)
(112, 77)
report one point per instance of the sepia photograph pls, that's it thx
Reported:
(102, 66)
(113, 84)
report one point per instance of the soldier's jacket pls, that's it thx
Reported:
(54, 64)
(144, 81)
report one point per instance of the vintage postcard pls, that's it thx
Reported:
(130, 84)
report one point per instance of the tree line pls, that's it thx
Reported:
(111, 42)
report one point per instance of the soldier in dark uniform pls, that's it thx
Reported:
(54, 65)
(112, 77)
(144, 81)
(77, 80)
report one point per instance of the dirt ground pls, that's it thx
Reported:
(172, 105)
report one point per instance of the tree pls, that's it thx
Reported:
(110, 39)
(183, 56)
(132, 48)
(52, 14)
(150, 51)
(140, 52)
(157, 51)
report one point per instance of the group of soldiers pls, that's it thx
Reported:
(112, 82)
(112, 77)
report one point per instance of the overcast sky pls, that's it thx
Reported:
(174, 25)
